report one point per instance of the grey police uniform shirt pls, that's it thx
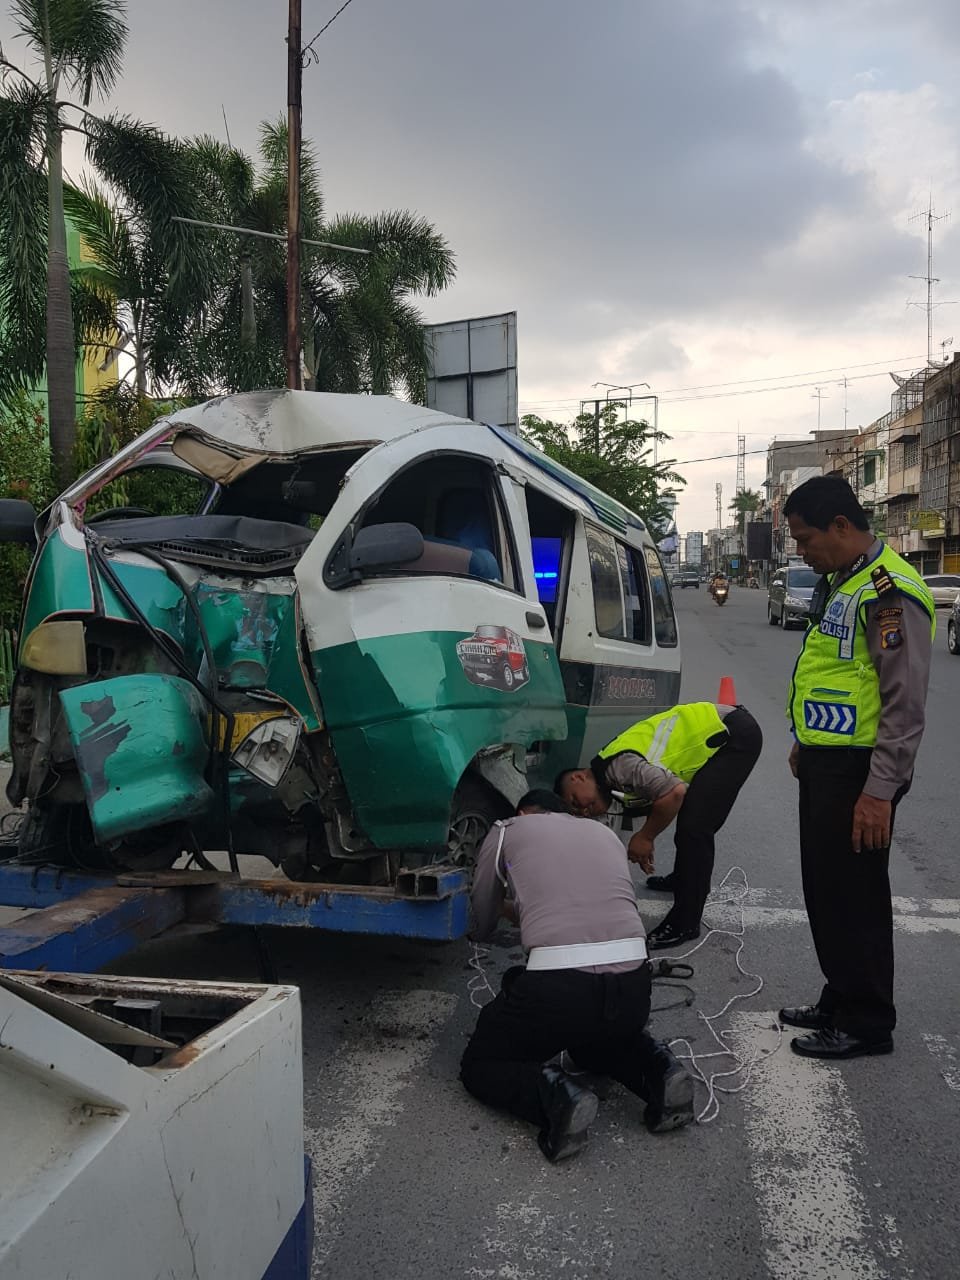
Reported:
(569, 878)
(898, 638)
(632, 773)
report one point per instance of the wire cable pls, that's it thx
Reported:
(744, 1065)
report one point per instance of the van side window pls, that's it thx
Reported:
(453, 501)
(664, 619)
(605, 576)
(551, 537)
(634, 581)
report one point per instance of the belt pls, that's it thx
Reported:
(579, 955)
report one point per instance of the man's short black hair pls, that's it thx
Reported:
(543, 800)
(820, 500)
(560, 779)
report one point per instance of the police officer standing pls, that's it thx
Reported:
(856, 706)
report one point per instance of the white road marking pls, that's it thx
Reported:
(946, 1058)
(762, 910)
(372, 1075)
(531, 1242)
(807, 1151)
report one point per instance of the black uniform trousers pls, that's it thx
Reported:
(847, 894)
(706, 807)
(598, 1017)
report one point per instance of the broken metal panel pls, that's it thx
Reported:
(59, 583)
(141, 748)
(88, 931)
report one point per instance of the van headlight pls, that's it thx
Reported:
(796, 602)
(267, 750)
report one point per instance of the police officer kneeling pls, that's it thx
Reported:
(585, 992)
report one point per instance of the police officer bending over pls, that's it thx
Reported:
(687, 763)
(856, 706)
(585, 991)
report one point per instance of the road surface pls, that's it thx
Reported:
(812, 1170)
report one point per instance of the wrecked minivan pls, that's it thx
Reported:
(342, 632)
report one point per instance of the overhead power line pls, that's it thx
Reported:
(309, 52)
(752, 382)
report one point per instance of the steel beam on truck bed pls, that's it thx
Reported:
(89, 929)
(79, 921)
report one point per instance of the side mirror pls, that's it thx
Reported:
(386, 546)
(17, 520)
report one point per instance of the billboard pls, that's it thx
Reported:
(472, 368)
(759, 540)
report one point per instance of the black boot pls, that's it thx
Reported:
(569, 1109)
(669, 1088)
(600, 1085)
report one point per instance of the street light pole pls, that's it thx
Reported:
(294, 126)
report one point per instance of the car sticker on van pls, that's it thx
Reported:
(494, 656)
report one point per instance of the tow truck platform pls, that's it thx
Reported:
(78, 921)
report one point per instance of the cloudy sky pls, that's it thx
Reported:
(708, 196)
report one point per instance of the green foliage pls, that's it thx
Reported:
(746, 502)
(361, 331)
(25, 473)
(617, 458)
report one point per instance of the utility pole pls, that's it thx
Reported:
(930, 278)
(596, 427)
(294, 126)
(819, 397)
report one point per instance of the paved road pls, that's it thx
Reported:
(812, 1170)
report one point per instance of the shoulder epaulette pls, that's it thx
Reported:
(882, 582)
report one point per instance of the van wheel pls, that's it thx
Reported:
(507, 674)
(953, 641)
(475, 809)
(770, 618)
(783, 618)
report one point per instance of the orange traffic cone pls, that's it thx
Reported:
(728, 695)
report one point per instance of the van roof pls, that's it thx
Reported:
(222, 437)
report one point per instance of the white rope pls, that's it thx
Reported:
(744, 1064)
(478, 985)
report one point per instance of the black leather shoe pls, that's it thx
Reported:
(662, 884)
(670, 935)
(600, 1085)
(828, 1042)
(570, 1110)
(807, 1016)
(669, 1089)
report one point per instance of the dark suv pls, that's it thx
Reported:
(689, 578)
(953, 628)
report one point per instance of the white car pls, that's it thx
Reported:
(944, 587)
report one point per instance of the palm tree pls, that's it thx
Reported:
(361, 331)
(746, 502)
(79, 44)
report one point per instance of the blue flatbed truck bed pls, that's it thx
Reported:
(78, 921)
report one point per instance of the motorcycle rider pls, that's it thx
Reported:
(719, 579)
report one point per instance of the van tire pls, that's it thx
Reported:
(474, 810)
(953, 640)
(771, 620)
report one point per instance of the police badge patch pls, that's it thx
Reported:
(889, 620)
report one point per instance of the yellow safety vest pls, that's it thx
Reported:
(835, 691)
(678, 739)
